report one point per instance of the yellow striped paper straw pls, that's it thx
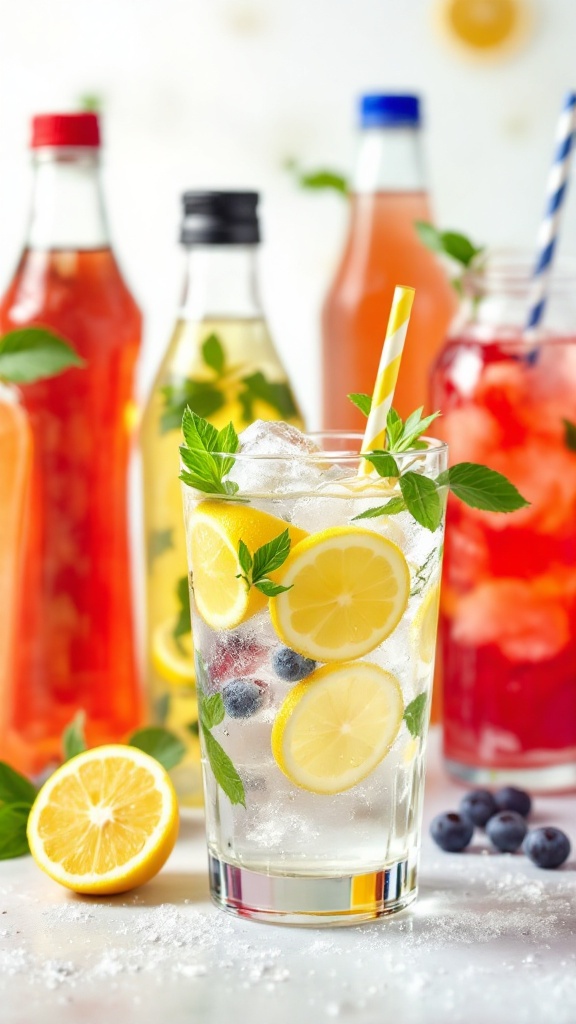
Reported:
(375, 434)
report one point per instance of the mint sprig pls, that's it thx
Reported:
(474, 484)
(212, 713)
(17, 794)
(183, 624)
(160, 743)
(205, 470)
(415, 715)
(256, 568)
(35, 353)
(73, 737)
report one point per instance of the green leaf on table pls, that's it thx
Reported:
(212, 710)
(183, 625)
(13, 822)
(422, 499)
(14, 787)
(224, 771)
(415, 715)
(483, 488)
(391, 508)
(213, 353)
(73, 738)
(160, 743)
(159, 541)
(569, 435)
(384, 463)
(275, 393)
(35, 353)
(362, 402)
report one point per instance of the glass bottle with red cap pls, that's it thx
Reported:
(75, 648)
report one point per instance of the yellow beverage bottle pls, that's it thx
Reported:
(221, 362)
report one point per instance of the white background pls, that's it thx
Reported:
(218, 93)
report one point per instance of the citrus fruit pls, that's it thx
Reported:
(216, 529)
(335, 727)
(425, 624)
(484, 26)
(172, 657)
(104, 822)
(349, 590)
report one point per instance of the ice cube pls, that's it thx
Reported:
(266, 474)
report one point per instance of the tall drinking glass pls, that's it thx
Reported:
(314, 689)
(508, 617)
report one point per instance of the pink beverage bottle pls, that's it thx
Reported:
(508, 616)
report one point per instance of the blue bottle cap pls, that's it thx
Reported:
(389, 110)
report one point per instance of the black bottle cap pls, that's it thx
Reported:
(220, 218)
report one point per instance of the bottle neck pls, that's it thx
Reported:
(389, 160)
(221, 281)
(67, 203)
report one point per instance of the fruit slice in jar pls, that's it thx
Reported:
(349, 588)
(172, 656)
(425, 624)
(335, 727)
(216, 529)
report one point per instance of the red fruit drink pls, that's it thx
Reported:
(508, 618)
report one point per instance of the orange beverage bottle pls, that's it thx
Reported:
(382, 250)
(74, 637)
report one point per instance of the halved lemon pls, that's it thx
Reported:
(216, 528)
(425, 624)
(172, 658)
(335, 727)
(349, 590)
(105, 822)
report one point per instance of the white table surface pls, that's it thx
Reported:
(491, 939)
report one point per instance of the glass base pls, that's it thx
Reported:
(557, 778)
(316, 901)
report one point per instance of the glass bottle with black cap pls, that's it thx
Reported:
(220, 361)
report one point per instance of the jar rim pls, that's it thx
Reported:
(512, 269)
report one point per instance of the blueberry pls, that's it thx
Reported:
(506, 831)
(243, 697)
(547, 847)
(511, 799)
(478, 806)
(291, 666)
(451, 832)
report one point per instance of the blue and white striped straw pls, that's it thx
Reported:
(549, 228)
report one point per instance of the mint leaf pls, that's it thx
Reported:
(270, 589)
(394, 428)
(160, 743)
(14, 787)
(391, 508)
(183, 625)
(275, 393)
(412, 430)
(228, 441)
(362, 402)
(202, 676)
(73, 738)
(323, 179)
(212, 710)
(450, 243)
(482, 488)
(35, 353)
(202, 455)
(415, 715)
(422, 499)
(159, 541)
(424, 573)
(202, 396)
(569, 435)
(13, 822)
(213, 353)
(199, 435)
(224, 771)
(384, 463)
(271, 556)
(245, 558)
(429, 236)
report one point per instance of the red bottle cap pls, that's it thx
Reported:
(65, 130)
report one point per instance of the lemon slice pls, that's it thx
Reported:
(105, 822)
(216, 528)
(335, 727)
(171, 658)
(349, 590)
(485, 27)
(425, 624)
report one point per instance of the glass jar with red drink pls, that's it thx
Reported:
(508, 617)
(74, 646)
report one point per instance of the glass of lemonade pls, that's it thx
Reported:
(314, 637)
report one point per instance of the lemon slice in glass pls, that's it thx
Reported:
(172, 657)
(425, 624)
(335, 727)
(349, 588)
(216, 528)
(105, 822)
